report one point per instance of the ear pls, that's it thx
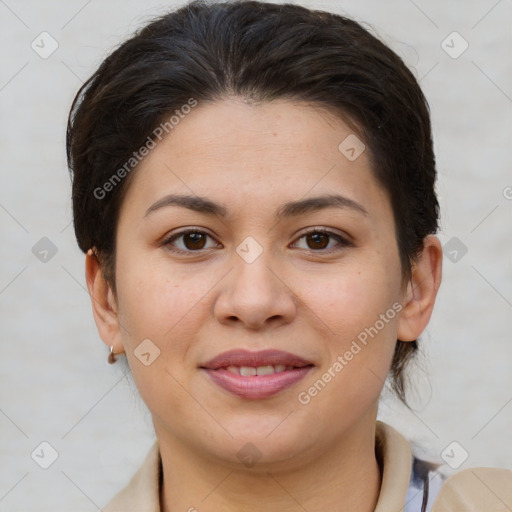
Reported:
(104, 306)
(421, 293)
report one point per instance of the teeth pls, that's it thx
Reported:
(250, 371)
(265, 370)
(247, 371)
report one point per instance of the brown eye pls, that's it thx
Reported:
(318, 240)
(194, 240)
(321, 241)
(188, 241)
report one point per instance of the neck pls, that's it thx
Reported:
(343, 478)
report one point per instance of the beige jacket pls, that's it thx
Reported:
(469, 490)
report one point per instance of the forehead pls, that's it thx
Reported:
(235, 126)
(266, 153)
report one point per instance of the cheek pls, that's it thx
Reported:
(153, 301)
(165, 309)
(352, 299)
(360, 308)
(361, 315)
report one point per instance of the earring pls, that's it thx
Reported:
(112, 357)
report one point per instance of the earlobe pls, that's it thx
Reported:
(420, 296)
(103, 303)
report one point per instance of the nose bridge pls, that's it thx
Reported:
(253, 279)
(254, 293)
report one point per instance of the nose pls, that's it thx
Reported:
(255, 296)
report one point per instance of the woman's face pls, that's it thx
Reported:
(250, 278)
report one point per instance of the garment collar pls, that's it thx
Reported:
(391, 448)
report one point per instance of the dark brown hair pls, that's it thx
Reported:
(258, 51)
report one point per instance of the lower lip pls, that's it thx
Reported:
(255, 387)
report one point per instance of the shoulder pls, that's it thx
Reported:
(476, 490)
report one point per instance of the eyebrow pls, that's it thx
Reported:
(291, 209)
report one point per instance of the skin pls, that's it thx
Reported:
(294, 297)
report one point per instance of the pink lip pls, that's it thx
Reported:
(258, 386)
(261, 358)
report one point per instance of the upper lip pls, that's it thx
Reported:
(242, 357)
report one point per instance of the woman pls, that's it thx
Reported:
(253, 186)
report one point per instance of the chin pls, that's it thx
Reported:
(265, 445)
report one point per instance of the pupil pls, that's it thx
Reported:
(316, 239)
(195, 239)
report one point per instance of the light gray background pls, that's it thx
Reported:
(55, 383)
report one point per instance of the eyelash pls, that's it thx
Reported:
(343, 242)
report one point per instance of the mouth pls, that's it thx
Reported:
(263, 359)
(251, 371)
(256, 375)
